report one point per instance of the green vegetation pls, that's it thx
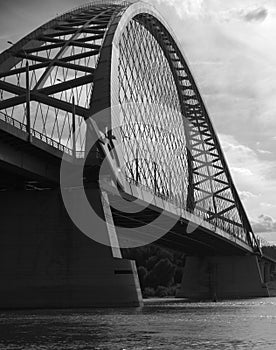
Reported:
(159, 270)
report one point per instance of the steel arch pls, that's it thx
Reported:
(78, 54)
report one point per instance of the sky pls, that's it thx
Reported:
(230, 47)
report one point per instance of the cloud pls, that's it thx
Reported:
(262, 151)
(212, 10)
(242, 171)
(249, 14)
(267, 205)
(234, 69)
(264, 223)
(241, 152)
(245, 195)
(258, 14)
(191, 8)
(253, 175)
(246, 162)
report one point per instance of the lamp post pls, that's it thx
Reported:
(74, 127)
(28, 99)
(73, 124)
(28, 95)
(137, 167)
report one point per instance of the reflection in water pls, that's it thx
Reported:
(160, 325)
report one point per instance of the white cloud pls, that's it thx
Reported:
(213, 10)
(244, 160)
(253, 176)
(264, 223)
(262, 151)
(267, 205)
(242, 171)
(246, 14)
(191, 8)
(246, 195)
(234, 63)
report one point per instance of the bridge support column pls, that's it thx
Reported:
(267, 267)
(46, 262)
(222, 277)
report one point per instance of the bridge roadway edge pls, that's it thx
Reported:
(236, 274)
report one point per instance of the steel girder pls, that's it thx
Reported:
(98, 54)
(59, 61)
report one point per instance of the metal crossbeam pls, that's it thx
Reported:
(59, 69)
(76, 67)
(65, 106)
(11, 102)
(17, 90)
(69, 84)
(22, 70)
(79, 56)
(51, 76)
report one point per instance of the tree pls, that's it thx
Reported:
(142, 273)
(161, 275)
(178, 275)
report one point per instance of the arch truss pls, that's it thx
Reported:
(115, 52)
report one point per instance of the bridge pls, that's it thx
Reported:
(99, 106)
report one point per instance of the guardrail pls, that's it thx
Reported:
(40, 136)
(204, 216)
(80, 154)
(263, 242)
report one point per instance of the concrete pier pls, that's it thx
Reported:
(222, 277)
(46, 262)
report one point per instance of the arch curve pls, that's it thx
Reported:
(79, 54)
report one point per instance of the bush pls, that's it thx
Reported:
(161, 291)
(171, 291)
(148, 292)
(156, 267)
(152, 260)
(161, 275)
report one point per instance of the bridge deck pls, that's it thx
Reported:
(204, 239)
(36, 162)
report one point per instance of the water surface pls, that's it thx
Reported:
(159, 325)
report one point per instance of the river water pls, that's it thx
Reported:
(159, 325)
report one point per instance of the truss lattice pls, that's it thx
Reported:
(48, 87)
(167, 130)
(60, 59)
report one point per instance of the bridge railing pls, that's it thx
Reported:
(40, 136)
(9, 120)
(174, 201)
(51, 142)
(203, 216)
(80, 154)
(263, 242)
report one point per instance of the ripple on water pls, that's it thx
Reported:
(160, 325)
